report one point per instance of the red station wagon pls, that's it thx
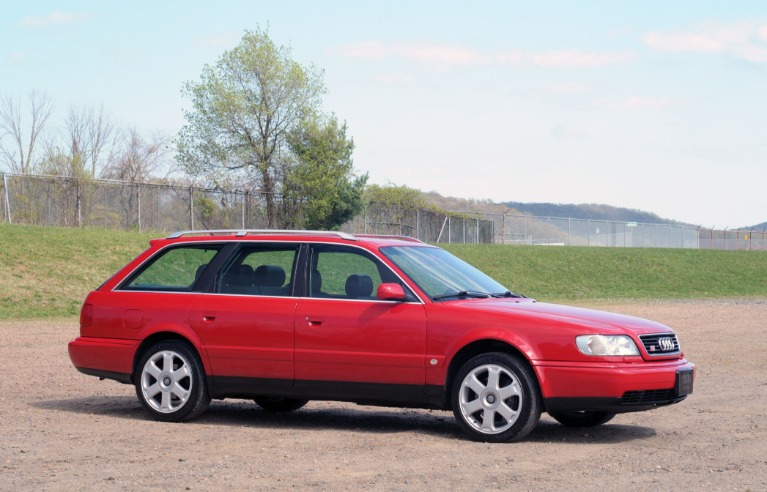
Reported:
(283, 317)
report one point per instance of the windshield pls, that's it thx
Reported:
(441, 275)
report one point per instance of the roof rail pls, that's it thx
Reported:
(391, 236)
(245, 232)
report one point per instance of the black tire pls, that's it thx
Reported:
(277, 404)
(170, 382)
(582, 418)
(500, 388)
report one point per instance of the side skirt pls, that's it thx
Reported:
(394, 395)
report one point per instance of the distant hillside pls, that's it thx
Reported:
(757, 227)
(588, 211)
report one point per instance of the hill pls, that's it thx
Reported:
(587, 211)
(590, 211)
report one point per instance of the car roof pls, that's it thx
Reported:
(287, 235)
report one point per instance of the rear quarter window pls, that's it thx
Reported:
(175, 270)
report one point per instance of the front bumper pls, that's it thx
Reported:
(613, 387)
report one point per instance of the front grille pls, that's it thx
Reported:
(660, 344)
(651, 397)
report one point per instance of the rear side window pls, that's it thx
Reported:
(262, 270)
(174, 270)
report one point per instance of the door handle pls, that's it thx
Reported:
(209, 318)
(313, 321)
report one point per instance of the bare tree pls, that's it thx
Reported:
(88, 132)
(19, 158)
(136, 159)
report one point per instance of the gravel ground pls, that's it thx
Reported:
(61, 430)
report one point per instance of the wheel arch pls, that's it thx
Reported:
(473, 349)
(164, 336)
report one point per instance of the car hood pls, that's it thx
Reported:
(532, 310)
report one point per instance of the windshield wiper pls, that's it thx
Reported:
(508, 293)
(463, 294)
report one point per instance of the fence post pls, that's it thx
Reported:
(191, 208)
(78, 202)
(243, 208)
(7, 200)
(138, 199)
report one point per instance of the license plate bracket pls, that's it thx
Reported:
(684, 382)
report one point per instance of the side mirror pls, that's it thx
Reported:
(390, 292)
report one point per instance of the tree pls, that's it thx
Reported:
(320, 190)
(136, 158)
(243, 110)
(20, 159)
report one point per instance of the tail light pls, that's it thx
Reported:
(86, 315)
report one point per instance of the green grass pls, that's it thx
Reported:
(47, 271)
(575, 273)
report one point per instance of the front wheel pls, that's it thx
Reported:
(495, 398)
(582, 419)
(171, 383)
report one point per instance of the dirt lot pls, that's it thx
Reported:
(61, 430)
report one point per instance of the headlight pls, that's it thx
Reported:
(605, 345)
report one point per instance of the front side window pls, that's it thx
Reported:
(345, 273)
(173, 270)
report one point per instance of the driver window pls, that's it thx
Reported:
(338, 272)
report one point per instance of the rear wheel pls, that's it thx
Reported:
(171, 383)
(495, 398)
(582, 418)
(277, 404)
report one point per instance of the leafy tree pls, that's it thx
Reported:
(320, 190)
(243, 110)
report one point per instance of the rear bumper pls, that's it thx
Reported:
(104, 357)
(616, 388)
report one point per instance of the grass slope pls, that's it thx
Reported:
(47, 271)
(561, 273)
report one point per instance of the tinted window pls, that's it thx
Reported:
(264, 270)
(175, 269)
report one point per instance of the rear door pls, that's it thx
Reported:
(246, 323)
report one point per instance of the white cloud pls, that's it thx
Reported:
(17, 57)
(398, 78)
(565, 131)
(567, 88)
(637, 103)
(451, 55)
(216, 41)
(577, 59)
(744, 40)
(683, 42)
(54, 18)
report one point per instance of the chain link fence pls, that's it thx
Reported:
(71, 202)
(555, 231)
(427, 225)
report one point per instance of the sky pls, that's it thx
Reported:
(659, 106)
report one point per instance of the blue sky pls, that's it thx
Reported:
(659, 106)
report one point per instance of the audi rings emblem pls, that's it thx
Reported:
(666, 344)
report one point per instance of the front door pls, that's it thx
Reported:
(348, 343)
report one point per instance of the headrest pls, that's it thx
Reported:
(359, 286)
(270, 276)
